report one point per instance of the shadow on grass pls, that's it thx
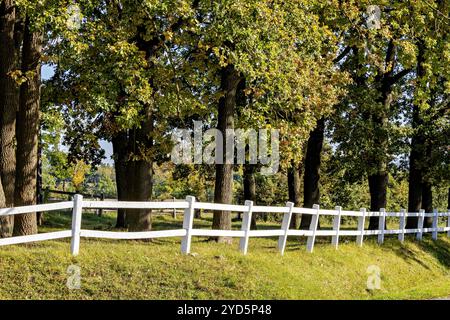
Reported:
(439, 249)
(408, 255)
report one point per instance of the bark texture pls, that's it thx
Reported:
(9, 104)
(378, 195)
(311, 191)
(223, 189)
(139, 160)
(119, 143)
(141, 173)
(378, 171)
(27, 131)
(416, 156)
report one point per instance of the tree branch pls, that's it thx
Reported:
(397, 77)
(342, 54)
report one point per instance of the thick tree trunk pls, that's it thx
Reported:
(9, 104)
(250, 189)
(141, 144)
(378, 169)
(378, 192)
(120, 147)
(27, 131)
(417, 153)
(378, 178)
(311, 192)
(223, 190)
(415, 177)
(294, 193)
(140, 220)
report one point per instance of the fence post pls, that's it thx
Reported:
(76, 224)
(420, 224)
(188, 220)
(361, 223)
(313, 228)
(401, 235)
(336, 227)
(435, 224)
(246, 223)
(381, 225)
(285, 227)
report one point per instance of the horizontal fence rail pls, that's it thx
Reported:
(248, 209)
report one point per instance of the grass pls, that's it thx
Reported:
(157, 270)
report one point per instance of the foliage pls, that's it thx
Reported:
(123, 58)
(362, 143)
(80, 170)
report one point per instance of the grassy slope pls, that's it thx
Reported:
(157, 270)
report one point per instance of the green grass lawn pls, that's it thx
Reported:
(157, 270)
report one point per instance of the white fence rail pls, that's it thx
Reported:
(188, 231)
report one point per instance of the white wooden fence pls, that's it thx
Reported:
(187, 232)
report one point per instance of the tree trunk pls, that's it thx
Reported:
(197, 213)
(378, 181)
(378, 175)
(311, 192)
(140, 219)
(250, 189)
(415, 175)
(294, 193)
(416, 157)
(378, 191)
(9, 104)
(27, 131)
(223, 189)
(141, 144)
(120, 147)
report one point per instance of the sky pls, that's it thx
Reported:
(47, 73)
